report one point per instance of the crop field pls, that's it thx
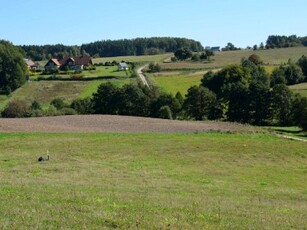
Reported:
(152, 181)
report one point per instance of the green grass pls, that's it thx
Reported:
(152, 181)
(177, 83)
(45, 91)
(292, 131)
(300, 88)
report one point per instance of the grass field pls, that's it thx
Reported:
(177, 83)
(45, 91)
(300, 88)
(152, 181)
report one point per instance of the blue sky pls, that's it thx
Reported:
(212, 22)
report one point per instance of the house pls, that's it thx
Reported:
(76, 62)
(215, 49)
(72, 62)
(122, 66)
(52, 64)
(31, 64)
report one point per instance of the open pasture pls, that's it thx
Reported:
(152, 181)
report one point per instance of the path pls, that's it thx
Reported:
(139, 72)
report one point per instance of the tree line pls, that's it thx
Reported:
(112, 48)
(277, 41)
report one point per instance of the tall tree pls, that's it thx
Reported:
(200, 103)
(13, 70)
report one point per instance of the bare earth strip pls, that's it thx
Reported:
(115, 124)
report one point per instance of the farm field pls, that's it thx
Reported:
(152, 181)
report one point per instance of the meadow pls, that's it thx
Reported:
(180, 71)
(45, 91)
(152, 181)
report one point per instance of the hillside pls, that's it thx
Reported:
(152, 181)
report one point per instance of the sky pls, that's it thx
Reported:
(212, 22)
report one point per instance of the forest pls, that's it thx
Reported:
(112, 48)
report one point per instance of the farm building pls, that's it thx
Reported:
(52, 64)
(72, 62)
(31, 64)
(122, 66)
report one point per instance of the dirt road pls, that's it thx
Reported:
(141, 75)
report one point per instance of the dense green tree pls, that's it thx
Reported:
(281, 104)
(254, 58)
(13, 70)
(105, 100)
(237, 98)
(291, 72)
(302, 62)
(299, 111)
(164, 99)
(259, 101)
(278, 76)
(132, 101)
(82, 105)
(154, 67)
(183, 54)
(200, 103)
(277, 41)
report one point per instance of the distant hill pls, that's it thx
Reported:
(112, 48)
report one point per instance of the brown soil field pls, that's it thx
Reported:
(115, 124)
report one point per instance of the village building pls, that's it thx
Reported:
(71, 62)
(31, 64)
(122, 66)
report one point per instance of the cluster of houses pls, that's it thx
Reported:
(72, 63)
(76, 63)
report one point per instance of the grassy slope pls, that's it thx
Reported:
(45, 91)
(188, 181)
(300, 88)
(177, 83)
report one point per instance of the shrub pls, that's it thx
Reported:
(58, 103)
(67, 111)
(165, 112)
(82, 106)
(15, 109)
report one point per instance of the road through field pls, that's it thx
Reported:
(141, 75)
